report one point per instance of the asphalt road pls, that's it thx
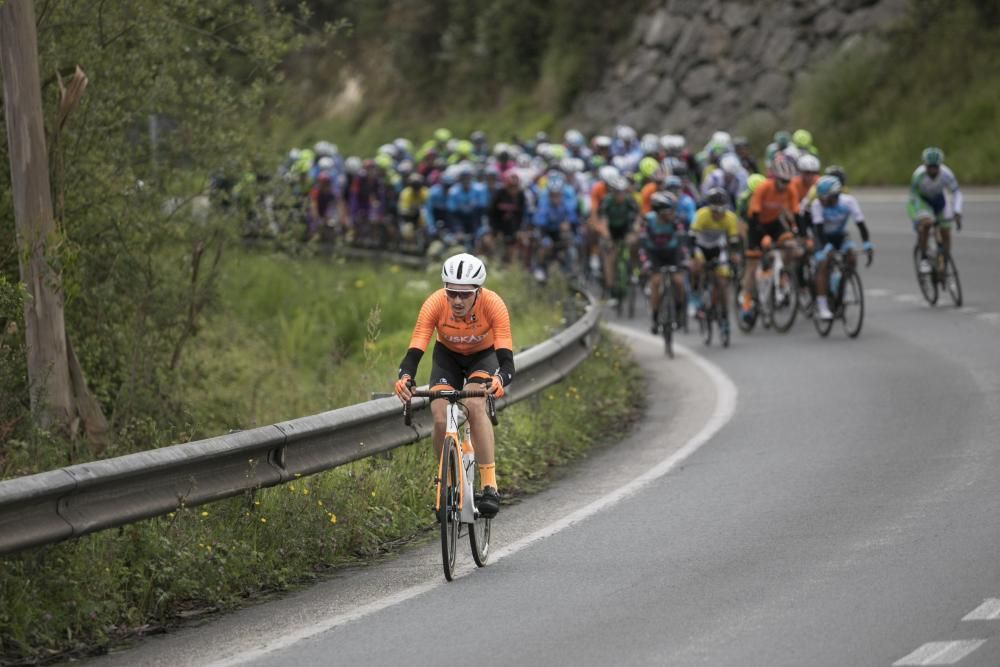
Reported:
(789, 501)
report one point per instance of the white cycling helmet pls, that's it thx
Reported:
(325, 149)
(574, 138)
(607, 172)
(672, 142)
(463, 269)
(809, 163)
(730, 164)
(326, 162)
(649, 144)
(721, 138)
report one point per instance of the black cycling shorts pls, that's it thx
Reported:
(756, 233)
(453, 370)
(661, 258)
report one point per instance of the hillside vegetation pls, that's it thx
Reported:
(509, 68)
(932, 82)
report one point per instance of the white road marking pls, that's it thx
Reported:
(877, 291)
(968, 310)
(725, 407)
(993, 318)
(907, 298)
(989, 610)
(940, 653)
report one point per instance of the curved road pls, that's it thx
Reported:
(842, 510)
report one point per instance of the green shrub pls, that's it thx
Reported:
(875, 107)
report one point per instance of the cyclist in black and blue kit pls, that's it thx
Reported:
(662, 242)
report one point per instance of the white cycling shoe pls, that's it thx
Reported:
(822, 309)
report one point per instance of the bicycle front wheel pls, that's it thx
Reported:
(852, 303)
(926, 281)
(784, 296)
(448, 512)
(951, 281)
(479, 535)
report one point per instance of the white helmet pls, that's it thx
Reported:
(352, 165)
(607, 172)
(672, 142)
(625, 133)
(324, 149)
(326, 162)
(463, 269)
(574, 138)
(649, 144)
(721, 138)
(809, 163)
(730, 164)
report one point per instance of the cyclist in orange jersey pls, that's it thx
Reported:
(772, 212)
(474, 345)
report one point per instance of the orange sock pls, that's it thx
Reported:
(488, 475)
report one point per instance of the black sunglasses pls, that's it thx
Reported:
(462, 294)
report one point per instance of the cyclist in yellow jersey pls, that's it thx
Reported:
(714, 229)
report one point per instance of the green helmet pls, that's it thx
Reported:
(383, 161)
(802, 138)
(464, 147)
(755, 180)
(648, 166)
(932, 156)
(782, 138)
(442, 134)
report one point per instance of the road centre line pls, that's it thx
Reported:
(940, 653)
(907, 298)
(989, 610)
(725, 407)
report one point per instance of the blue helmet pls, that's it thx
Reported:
(827, 186)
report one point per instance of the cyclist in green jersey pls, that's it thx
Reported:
(617, 215)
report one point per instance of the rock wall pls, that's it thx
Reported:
(701, 65)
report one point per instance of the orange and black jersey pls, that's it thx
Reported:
(485, 326)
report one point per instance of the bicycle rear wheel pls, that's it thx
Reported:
(746, 324)
(852, 303)
(723, 312)
(926, 281)
(448, 513)
(666, 317)
(951, 281)
(807, 296)
(706, 324)
(784, 296)
(479, 531)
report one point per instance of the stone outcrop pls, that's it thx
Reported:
(702, 65)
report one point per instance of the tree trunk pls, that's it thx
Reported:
(52, 397)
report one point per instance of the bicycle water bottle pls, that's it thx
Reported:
(834, 281)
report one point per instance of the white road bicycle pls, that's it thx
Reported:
(458, 478)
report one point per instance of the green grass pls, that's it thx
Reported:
(874, 108)
(85, 595)
(301, 336)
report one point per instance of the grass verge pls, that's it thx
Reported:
(294, 336)
(83, 596)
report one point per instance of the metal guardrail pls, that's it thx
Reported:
(80, 499)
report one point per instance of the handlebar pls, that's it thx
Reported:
(453, 396)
